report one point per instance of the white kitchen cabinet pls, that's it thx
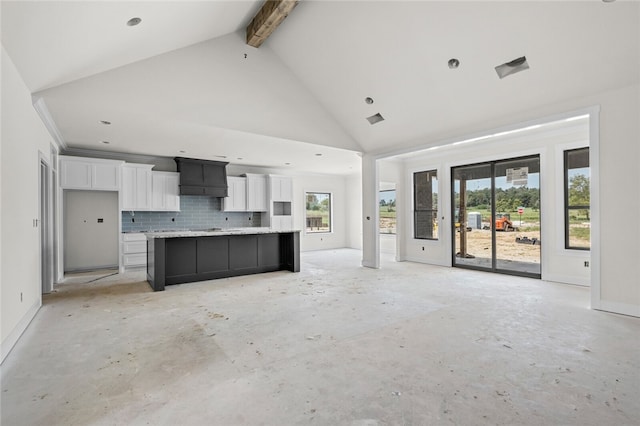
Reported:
(136, 186)
(256, 193)
(165, 191)
(134, 249)
(236, 201)
(281, 188)
(89, 173)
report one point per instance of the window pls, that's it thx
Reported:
(388, 211)
(318, 212)
(425, 205)
(577, 200)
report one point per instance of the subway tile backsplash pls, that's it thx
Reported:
(196, 213)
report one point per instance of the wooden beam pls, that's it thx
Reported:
(267, 20)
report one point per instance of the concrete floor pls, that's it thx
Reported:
(335, 344)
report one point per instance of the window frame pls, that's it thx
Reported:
(330, 218)
(567, 208)
(434, 210)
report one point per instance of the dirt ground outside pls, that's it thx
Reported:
(479, 245)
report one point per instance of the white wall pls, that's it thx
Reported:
(23, 135)
(353, 186)
(337, 186)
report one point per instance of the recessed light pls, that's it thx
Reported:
(608, 1)
(106, 142)
(453, 63)
(105, 122)
(368, 101)
(318, 155)
(287, 164)
(240, 158)
(182, 151)
(133, 22)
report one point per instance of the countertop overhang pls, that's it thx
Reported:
(221, 232)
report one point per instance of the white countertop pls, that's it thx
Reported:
(213, 233)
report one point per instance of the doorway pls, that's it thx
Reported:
(496, 207)
(90, 230)
(46, 228)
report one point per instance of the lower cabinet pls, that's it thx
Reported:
(187, 259)
(134, 249)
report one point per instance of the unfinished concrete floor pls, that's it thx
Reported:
(335, 344)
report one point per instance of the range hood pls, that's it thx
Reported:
(202, 177)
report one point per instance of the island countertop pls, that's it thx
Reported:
(218, 232)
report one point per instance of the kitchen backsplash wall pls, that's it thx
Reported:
(196, 213)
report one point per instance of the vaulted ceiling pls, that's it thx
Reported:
(185, 80)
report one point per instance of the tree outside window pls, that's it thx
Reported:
(318, 212)
(577, 199)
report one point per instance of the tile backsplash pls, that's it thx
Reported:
(196, 213)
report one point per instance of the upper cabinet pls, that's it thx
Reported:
(136, 186)
(281, 188)
(165, 191)
(256, 193)
(236, 201)
(89, 173)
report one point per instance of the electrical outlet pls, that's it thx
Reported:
(586, 263)
(21, 296)
(422, 248)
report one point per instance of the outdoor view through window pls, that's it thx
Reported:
(388, 211)
(318, 217)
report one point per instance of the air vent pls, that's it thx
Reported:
(512, 67)
(376, 118)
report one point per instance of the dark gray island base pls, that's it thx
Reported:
(175, 258)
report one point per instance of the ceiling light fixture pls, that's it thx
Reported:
(239, 158)
(453, 63)
(368, 100)
(182, 151)
(133, 22)
(318, 155)
(287, 164)
(105, 122)
(106, 142)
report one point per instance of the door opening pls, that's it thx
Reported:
(46, 234)
(496, 206)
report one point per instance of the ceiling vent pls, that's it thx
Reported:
(508, 68)
(376, 118)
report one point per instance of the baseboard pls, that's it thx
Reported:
(619, 308)
(567, 279)
(13, 337)
(426, 261)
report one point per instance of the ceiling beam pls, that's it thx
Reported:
(267, 20)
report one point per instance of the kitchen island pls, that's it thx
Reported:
(177, 257)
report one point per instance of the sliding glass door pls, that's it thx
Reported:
(496, 210)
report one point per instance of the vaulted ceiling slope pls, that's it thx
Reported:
(185, 80)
